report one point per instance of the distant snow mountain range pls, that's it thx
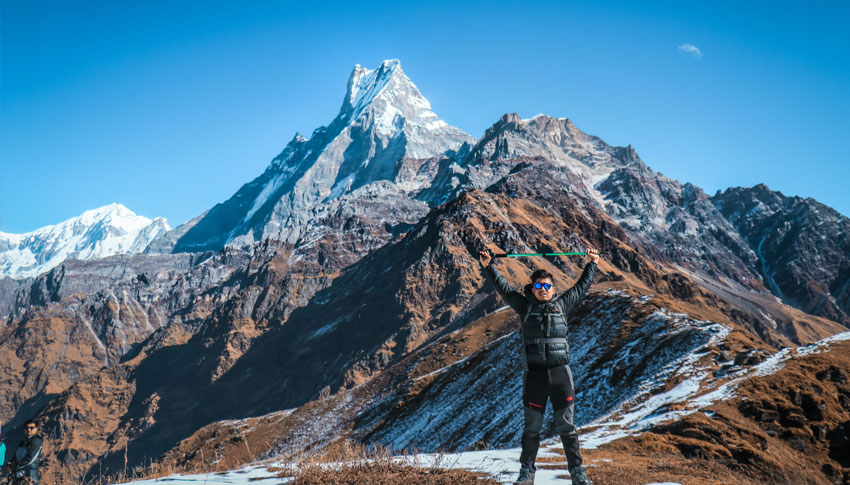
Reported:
(98, 233)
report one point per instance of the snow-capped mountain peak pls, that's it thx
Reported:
(393, 98)
(384, 119)
(97, 233)
(364, 85)
(114, 214)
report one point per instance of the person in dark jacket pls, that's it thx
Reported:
(547, 356)
(23, 468)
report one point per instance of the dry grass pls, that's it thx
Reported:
(346, 463)
(340, 463)
(382, 472)
(609, 467)
(153, 470)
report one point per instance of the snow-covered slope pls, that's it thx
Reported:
(106, 231)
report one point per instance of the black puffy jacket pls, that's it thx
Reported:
(544, 324)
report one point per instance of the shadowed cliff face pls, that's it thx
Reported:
(81, 317)
(803, 247)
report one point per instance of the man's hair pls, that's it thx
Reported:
(31, 421)
(541, 274)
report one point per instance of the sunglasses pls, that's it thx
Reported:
(30, 427)
(537, 286)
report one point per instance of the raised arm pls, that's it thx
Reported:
(512, 297)
(572, 297)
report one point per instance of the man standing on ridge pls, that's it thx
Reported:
(548, 376)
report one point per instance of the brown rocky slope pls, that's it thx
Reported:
(791, 426)
(393, 304)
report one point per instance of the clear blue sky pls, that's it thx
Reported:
(168, 107)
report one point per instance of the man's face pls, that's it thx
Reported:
(540, 291)
(31, 429)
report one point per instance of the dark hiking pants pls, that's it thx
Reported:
(555, 384)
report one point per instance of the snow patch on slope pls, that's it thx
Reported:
(699, 390)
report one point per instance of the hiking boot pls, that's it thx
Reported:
(526, 477)
(578, 475)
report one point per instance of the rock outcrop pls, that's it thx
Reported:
(803, 247)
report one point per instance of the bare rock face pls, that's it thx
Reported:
(680, 220)
(8, 289)
(76, 277)
(676, 221)
(803, 247)
(82, 317)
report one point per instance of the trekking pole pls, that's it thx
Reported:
(523, 255)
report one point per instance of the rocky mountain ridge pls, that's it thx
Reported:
(796, 240)
(450, 392)
(342, 334)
